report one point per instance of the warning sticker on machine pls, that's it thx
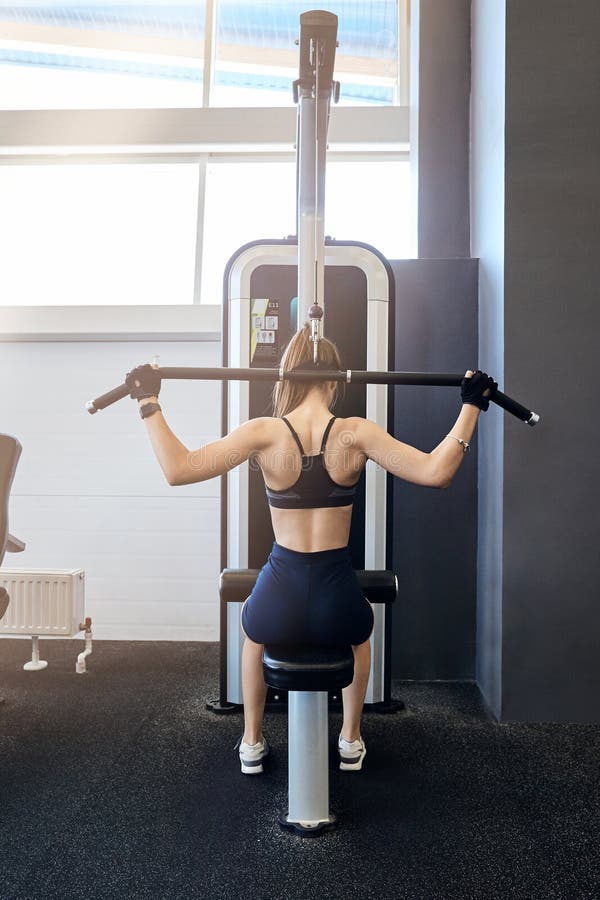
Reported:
(264, 330)
(265, 323)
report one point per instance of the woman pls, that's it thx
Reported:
(311, 461)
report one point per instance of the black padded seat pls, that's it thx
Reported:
(304, 667)
(301, 667)
(236, 584)
(379, 585)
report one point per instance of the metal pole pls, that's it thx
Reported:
(313, 89)
(308, 758)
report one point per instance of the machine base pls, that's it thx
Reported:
(279, 702)
(385, 707)
(223, 708)
(308, 830)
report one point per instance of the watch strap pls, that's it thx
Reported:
(148, 409)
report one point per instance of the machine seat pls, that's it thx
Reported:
(302, 667)
(289, 667)
(379, 585)
(236, 584)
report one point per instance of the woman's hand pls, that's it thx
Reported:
(143, 382)
(477, 387)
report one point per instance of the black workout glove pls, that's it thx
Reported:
(149, 380)
(472, 389)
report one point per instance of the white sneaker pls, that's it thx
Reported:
(252, 755)
(352, 754)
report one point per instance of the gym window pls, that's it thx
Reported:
(134, 157)
(251, 200)
(108, 55)
(99, 234)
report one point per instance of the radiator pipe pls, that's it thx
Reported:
(80, 667)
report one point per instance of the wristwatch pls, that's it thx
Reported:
(148, 409)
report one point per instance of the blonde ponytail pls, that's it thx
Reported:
(287, 395)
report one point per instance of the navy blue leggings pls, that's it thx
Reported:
(311, 598)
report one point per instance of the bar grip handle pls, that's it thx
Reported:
(516, 409)
(107, 399)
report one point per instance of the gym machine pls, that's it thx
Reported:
(290, 278)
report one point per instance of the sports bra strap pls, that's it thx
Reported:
(296, 438)
(326, 435)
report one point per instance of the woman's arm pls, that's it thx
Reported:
(438, 468)
(183, 466)
(435, 469)
(402, 460)
(448, 454)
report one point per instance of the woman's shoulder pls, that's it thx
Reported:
(351, 423)
(259, 426)
(259, 432)
(267, 425)
(358, 431)
(265, 421)
(347, 432)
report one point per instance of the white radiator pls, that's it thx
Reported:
(44, 602)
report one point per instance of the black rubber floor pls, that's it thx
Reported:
(120, 784)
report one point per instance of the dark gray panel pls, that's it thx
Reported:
(434, 532)
(443, 130)
(552, 320)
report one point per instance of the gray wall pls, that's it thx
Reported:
(535, 224)
(535, 182)
(487, 243)
(552, 319)
(434, 532)
(440, 50)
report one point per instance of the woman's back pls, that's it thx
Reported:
(310, 464)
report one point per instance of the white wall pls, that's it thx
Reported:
(90, 493)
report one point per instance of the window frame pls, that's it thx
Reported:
(54, 137)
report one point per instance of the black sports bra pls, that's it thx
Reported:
(314, 488)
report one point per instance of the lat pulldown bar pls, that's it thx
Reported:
(349, 376)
